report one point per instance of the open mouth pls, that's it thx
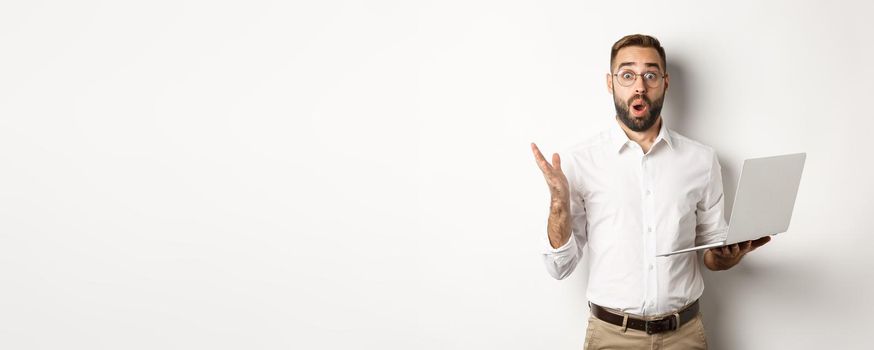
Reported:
(639, 107)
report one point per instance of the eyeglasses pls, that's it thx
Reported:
(627, 78)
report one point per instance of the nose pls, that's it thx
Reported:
(639, 85)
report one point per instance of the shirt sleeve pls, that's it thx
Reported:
(561, 262)
(710, 211)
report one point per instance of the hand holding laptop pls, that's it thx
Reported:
(725, 257)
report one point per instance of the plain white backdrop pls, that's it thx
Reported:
(357, 174)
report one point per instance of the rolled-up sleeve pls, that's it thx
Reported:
(711, 225)
(561, 262)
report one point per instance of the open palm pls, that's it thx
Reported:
(555, 178)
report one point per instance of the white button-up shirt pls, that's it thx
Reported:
(627, 206)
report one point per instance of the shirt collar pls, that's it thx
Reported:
(619, 138)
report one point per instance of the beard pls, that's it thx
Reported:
(642, 123)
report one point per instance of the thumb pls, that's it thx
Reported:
(556, 161)
(760, 242)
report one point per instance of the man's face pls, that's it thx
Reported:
(638, 105)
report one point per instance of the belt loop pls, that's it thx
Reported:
(624, 322)
(677, 320)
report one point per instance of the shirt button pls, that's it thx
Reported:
(649, 229)
(648, 192)
(650, 267)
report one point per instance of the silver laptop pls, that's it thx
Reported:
(765, 198)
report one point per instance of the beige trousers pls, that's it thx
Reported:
(603, 335)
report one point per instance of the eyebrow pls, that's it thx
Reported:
(648, 64)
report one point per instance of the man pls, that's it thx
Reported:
(628, 193)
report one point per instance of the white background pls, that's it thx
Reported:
(327, 174)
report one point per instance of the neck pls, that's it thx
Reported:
(643, 137)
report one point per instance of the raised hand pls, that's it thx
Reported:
(555, 178)
(558, 227)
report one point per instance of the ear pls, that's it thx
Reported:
(610, 83)
(667, 81)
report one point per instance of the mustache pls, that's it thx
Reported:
(639, 97)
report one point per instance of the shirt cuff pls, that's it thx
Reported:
(712, 236)
(569, 246)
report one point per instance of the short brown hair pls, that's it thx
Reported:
(640, 40)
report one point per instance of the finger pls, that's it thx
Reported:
(761, 241)
(746, 246)
(556, 161)
(726, 251)
(541, 161)
(717, 251)
(735, 249)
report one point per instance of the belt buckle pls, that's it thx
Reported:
(672, 321)
(653, 327)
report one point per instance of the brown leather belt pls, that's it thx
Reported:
(667, 323)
